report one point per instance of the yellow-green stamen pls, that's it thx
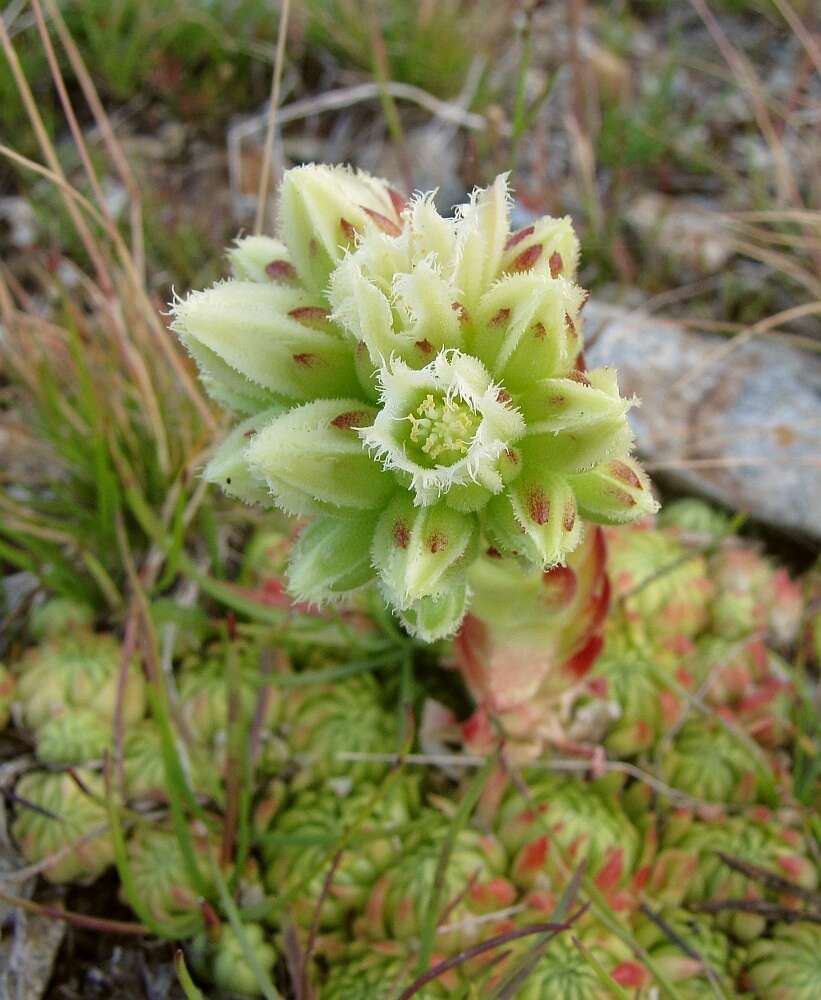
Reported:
(443, 428)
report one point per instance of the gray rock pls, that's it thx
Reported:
(738, 423)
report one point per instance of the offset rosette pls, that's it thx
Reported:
(788, 965)
(416, 385)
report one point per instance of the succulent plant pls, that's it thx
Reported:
(568, 971)
(661, 591)
(323, 719)
(529, 640)
(692, 518)
(689, 870)
(54, 814)
(77, 736)
(222, 960)
(646, 706)
(786, 966)
(59, 616)
(143, 763)
(297, 872)
(380, 972)
(752, 596)
(414, 384)
(205, 696)
(583, 822)
(707, 761)
(685, 946)
(79, 670)
(8, 686)
(473, 884)
(160, 876)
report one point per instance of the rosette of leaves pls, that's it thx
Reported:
(661, 591)
(694, 519)
(563, 821)
(753, 596)
(707, 761)
(162, 880)
(76, 736)
(221, 958)
(582, 970)
(315, 823)
(473, 883)
(787, 965)
(689, 869)
(144, 765)
(685, 947)
(78, 670)
(322, 720)
(647, 707)
(380, 972)
(205, 689)
(57, 813)
(59, 616)
(528, 642)
(8, 686)
(419, 396)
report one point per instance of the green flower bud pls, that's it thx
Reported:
(77, 736)
(425, 361)
(261, 259)
(332, 558)
(229, 467)
(788, 965)
(77, 671)
(62, 817)
(753, 838)
(7, 691)
(58, 616)
(320, 720)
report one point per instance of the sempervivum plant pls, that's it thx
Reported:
(661, 591)
(77, 736)
(144, 764)
(223, 960)
(786, 966)
(59, 616)
(689, 870)
(563, 821)
(379, 972)
(752, 596)
(473, 886)
(296, 872)
(528, 642)
(709, 762)
(415, 384)
(685, 946)
(323, 720)
(62, 817)
(78, 670)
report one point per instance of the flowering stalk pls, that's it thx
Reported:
(416, 385)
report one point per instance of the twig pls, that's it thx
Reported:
(772, 911)
(101, 924)
(489, 945)
(769, 878)
(276, 81)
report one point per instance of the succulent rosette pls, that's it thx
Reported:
(787, 965)
(707, 761)
(77, 736)
(473, 886)
(415, 385)
(686, 947)
(56, 817)
(689, 870)
(322, 720)
(380, 972)
(77, 670)
(528, 642)
(144, 765)
(753, 596)
(562, 822)
(661, 592)
(296, 872)
(223, 961)
(580, 971)
(59, 616)
(694, 520)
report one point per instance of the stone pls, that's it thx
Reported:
(739, 423)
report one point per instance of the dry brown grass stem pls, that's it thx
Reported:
(804, 36)
(276, 83)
